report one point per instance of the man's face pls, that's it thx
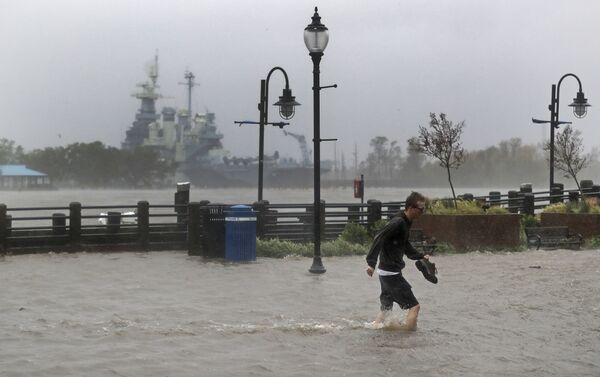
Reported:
(417, 210)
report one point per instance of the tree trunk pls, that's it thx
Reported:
(451, 187)
(577, 183)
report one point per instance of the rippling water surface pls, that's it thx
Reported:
(167, 314)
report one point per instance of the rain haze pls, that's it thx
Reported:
(69, 67)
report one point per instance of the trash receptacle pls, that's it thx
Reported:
(240, 233)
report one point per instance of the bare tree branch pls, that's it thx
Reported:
(441, 140)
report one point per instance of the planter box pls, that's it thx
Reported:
(588, 225)
(469, 232)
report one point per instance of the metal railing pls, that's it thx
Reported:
(199, 228)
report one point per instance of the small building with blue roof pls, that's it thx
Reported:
(20, 177)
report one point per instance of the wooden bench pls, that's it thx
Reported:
(552, 236)
(421, 242)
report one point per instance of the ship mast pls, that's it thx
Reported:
(189, 76)
(147, 111)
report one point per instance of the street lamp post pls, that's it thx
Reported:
(579, 106)
(316, 37)
(286, 104)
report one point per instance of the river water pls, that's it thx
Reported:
(228, 196)
(533, 313)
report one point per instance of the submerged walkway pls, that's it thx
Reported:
(532, 313)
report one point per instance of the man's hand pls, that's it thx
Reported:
(370, 270)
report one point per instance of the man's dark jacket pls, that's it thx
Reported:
(391, 244)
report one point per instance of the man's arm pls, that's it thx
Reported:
(412, 253)
(379, 240)
(409, 250)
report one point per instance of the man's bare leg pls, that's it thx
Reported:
(411, 318)
(382, 316)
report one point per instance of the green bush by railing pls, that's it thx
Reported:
(590, 206)
(463, 207)
(275, 248)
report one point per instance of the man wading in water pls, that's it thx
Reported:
(390, 245)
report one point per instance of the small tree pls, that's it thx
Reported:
(442, 142)
(568, 153)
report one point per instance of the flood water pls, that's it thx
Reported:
(534, 313)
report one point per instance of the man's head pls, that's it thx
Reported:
(415, 205)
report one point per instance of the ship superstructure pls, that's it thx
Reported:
(187, 141)
(193, 143)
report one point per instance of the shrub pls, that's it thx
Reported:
(463, 207)
(356, 234)
(444, 248)
(275, 248)
(529, 221)
(496, 210)
(592, 243)
(589, 205)
(377, 227)
(556, 208)
(340, 247)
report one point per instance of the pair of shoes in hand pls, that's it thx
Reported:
(428, 269)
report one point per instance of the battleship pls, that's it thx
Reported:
(194, 145)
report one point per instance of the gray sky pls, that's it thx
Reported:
(69, 67)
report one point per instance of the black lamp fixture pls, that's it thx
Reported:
(287, 103)
(580, 105)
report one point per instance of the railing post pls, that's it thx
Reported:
(528, 207)
(75, 224)
(494, 198)
(260, 208)
(113, 222)
(513, 201)
(205, 229)
(468, 197)
(3, 228)
(59, 224)
(526, 188)
(182, 199)
(586, 186)
(573, 196)
(352, 216)
(394, 208)
(194, 228)
(143, 224)
(556, 193)
(373, 212)
(596, 191)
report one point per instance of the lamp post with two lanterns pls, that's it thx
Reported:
(316, 37)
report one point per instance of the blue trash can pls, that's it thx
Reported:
(240, 234)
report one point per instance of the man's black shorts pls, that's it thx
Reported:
(394, 288)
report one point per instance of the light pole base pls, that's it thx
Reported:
(317, 266)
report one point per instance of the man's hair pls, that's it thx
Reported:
(413, 199)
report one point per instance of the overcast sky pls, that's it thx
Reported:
(69, 67)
